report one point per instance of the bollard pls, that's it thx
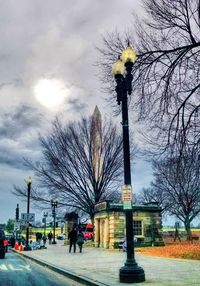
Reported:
(16, 247)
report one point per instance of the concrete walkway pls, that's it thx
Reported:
(101, 267)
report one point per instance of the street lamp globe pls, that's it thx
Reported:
(29, 181)
(128, 55)
(118, 67)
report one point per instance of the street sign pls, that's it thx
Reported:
(126, 193)
(16, 225)
(127, 197)
(28, 217)
(127, 205)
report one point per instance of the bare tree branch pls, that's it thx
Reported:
(166, 73)
(76, 168)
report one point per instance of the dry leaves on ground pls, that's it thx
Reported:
(177, 250)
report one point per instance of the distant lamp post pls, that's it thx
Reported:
(17, 220)
(54, 204)
(122, 70)
(28, 182)
(45, 214)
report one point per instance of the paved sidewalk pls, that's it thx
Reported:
(101, 267)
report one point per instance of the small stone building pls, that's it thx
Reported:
(110, 227)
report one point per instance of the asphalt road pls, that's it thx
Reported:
(16, 271)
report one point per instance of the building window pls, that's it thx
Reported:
(137, 227)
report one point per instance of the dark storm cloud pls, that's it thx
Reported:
(18, 121)
(18, 135)
(11, 158)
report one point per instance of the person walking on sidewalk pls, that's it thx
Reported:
(72, 236)
(44, 238)
(80, 240)
(50, 236)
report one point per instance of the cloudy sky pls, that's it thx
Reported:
(47, 57)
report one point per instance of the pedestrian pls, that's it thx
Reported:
(23, 240)
(50, 236)
(80, 240)
(177, 235)
(12, 241)
(44, 238)
(72, 236)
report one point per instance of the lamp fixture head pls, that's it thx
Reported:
(28, 181)
(128, 55)
(118, 67)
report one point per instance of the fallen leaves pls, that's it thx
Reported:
(185, 250)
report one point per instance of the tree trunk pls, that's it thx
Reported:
(188, 229)
(92, 219)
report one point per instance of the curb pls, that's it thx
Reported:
(78, 278)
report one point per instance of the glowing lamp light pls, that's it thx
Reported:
(118, 67)
(128, 55)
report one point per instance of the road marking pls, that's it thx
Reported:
(3, 267)
(8, 267)
(27, 267)
(13, 268)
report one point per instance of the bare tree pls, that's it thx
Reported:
(154, 194)
(176, 185)
(167, 71)
(76, 168)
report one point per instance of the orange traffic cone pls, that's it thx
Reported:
(16, 247)
(21, 247)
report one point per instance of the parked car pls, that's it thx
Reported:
(9, 237)
(5, 242)
(2, 246)
(89, 232)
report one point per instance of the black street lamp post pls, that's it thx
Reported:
(130, 272)
(17, 219)
(45, 214)
(54, 204)
(29, 182)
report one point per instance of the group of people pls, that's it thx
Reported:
(75, 237)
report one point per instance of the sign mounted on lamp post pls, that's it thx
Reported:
(17, 225)
(127, 197)
(28, 217)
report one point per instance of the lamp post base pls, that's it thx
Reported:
(131, 273)
(27, 248)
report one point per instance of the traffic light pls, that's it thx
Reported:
(17, 213)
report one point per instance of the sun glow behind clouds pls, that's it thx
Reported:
(50, 92)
